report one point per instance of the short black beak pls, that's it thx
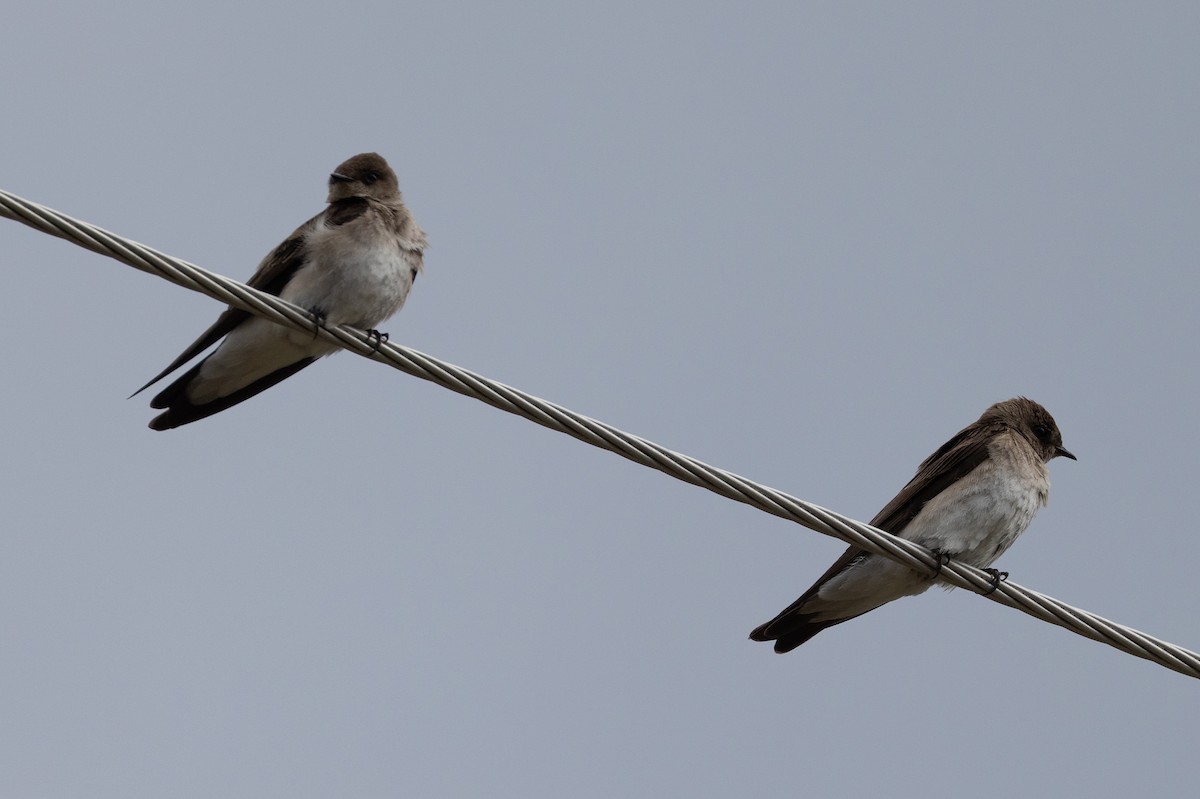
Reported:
(1065, 453)
(337, 177)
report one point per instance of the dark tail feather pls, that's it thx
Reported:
(227, 321)
(789, 633)
(180, 411)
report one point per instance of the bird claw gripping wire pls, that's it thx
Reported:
(942, 560)
(377, 338)
(997, 578)
(318, 319)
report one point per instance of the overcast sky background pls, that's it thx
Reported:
(804, 242)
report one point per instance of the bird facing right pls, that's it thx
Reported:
(969, 500)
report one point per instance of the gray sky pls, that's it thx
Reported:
(804, 242)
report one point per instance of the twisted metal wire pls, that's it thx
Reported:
(599, 434)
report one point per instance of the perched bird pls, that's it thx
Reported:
(969, 501)
(352, 264)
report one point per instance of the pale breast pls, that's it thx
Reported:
(357, 274)
(979, 517)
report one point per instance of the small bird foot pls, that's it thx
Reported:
(942, 560)
(997, 578)
(318, 319)
(378, 338)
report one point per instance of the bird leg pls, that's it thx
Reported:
(942, 559)
(374, 335)
(997, 578)
(318, 319)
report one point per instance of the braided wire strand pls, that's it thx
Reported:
(604, 436)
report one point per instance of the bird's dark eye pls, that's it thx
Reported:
(370, 178)
(1041, 432)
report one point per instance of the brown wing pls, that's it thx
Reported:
(271, 276)
(953, 461)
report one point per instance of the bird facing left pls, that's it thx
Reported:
(353, 264)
